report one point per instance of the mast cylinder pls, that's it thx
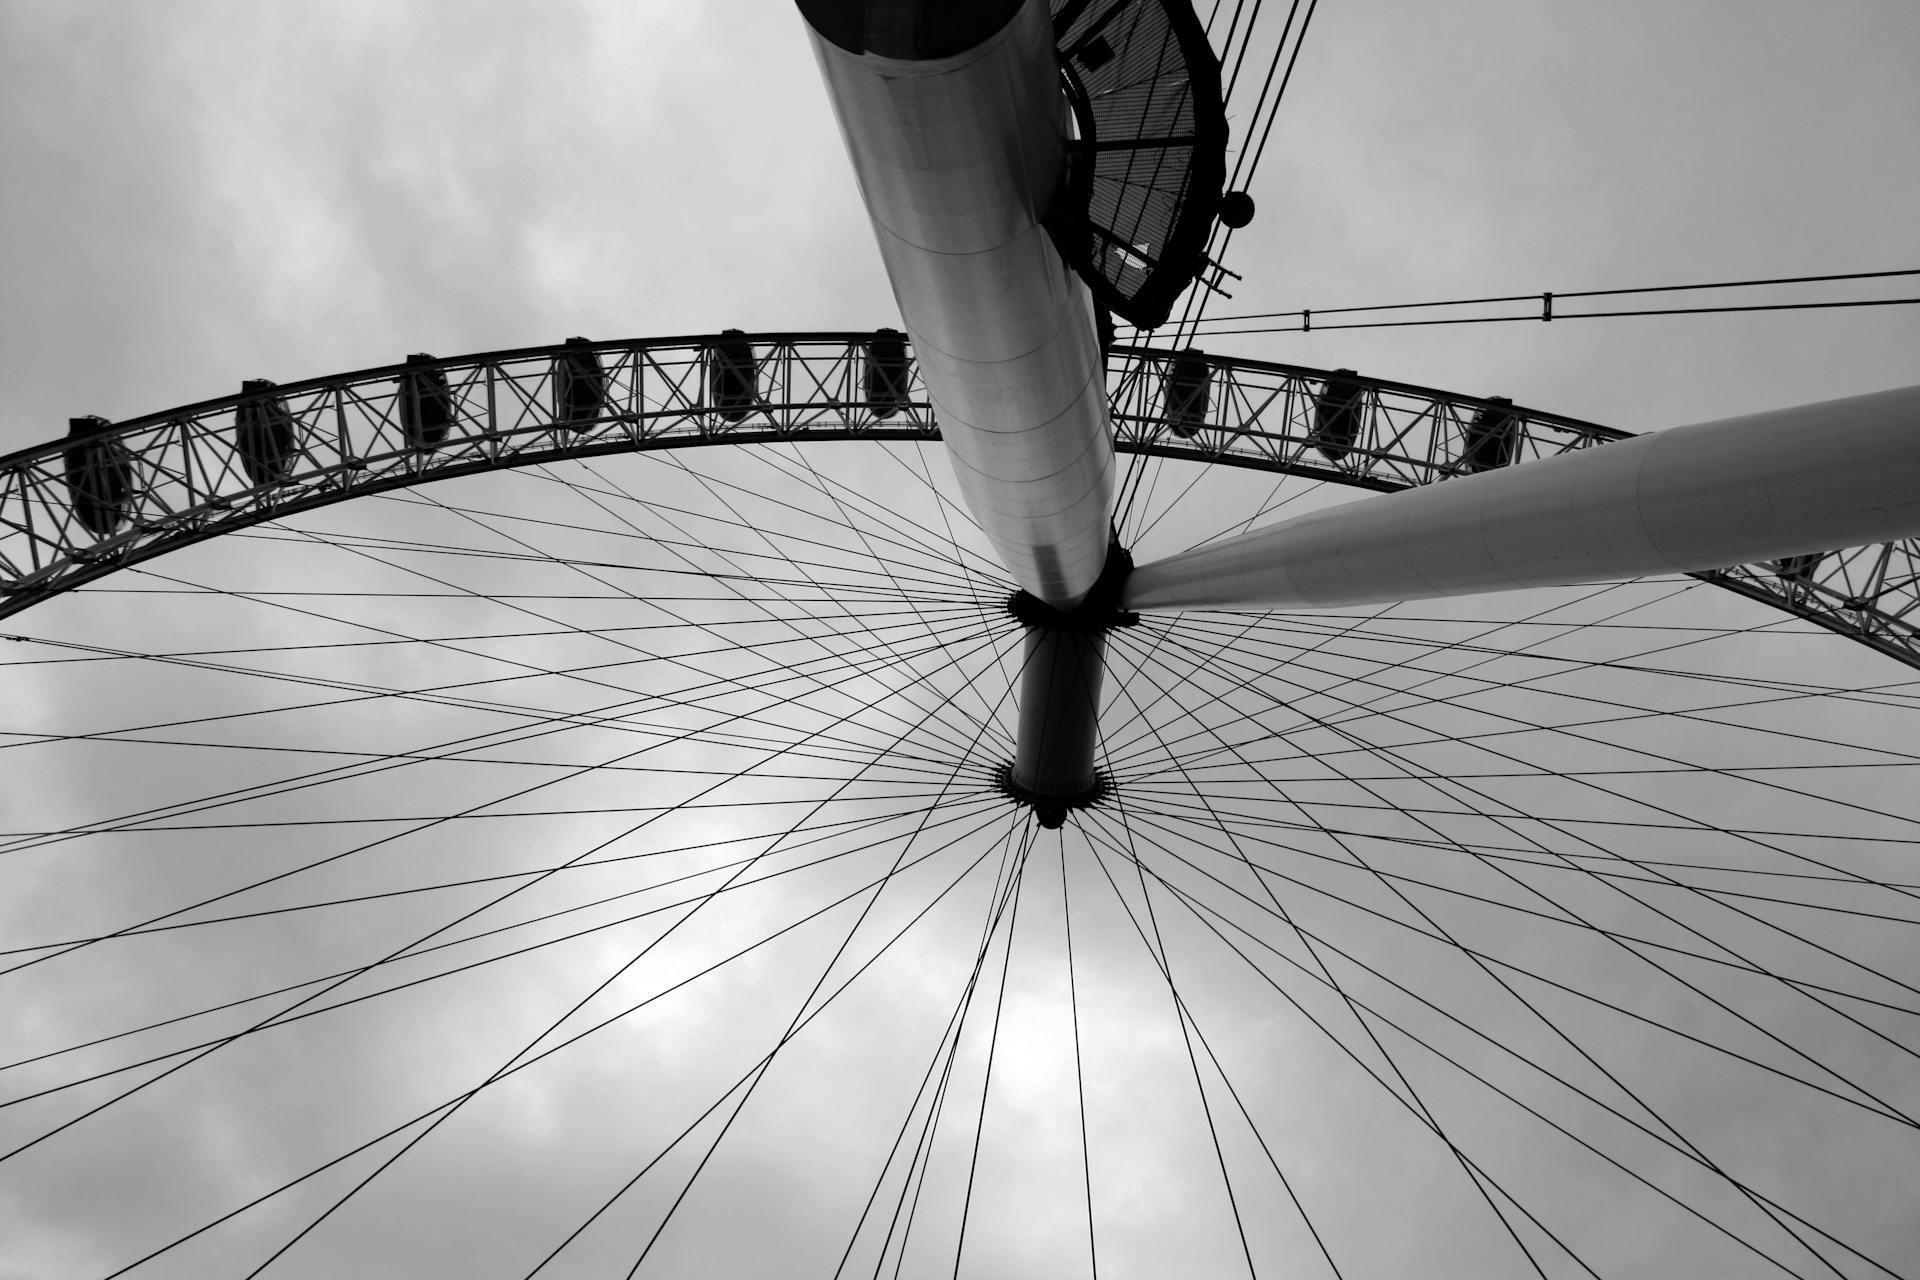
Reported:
(956, 125)
(1054, 763)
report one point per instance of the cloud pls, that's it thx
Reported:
(200, 193)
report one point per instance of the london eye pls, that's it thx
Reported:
(1027, 753)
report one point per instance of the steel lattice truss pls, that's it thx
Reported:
(175, 478)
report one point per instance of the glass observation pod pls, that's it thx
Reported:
(1336, 414)
(99, 476)
(888, 374)
(733, 376)
(264, 433)
(426, 403)
(1490, 438)
(1184, 394)
(579, 385)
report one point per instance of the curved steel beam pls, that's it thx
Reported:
(190, 482)
(190, 475)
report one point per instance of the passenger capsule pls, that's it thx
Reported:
(1491, 439)
(733, 376)
(1185, 393)
(1798, 568)
(426, 403)
(99, 476)
(579, 385)
(889, 373)
(264, 434)
(1336, 414)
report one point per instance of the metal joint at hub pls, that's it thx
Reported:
(1053, 766)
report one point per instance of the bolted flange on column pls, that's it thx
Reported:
(1052, 770)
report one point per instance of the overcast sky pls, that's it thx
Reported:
(200, 193)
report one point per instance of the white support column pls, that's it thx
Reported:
(1841, 473)
(959, 155)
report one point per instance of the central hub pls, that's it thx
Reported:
(1052, 770)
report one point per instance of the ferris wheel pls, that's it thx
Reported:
(718, 832)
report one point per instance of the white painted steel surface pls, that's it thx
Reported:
(1818, 477)
(958, 158)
